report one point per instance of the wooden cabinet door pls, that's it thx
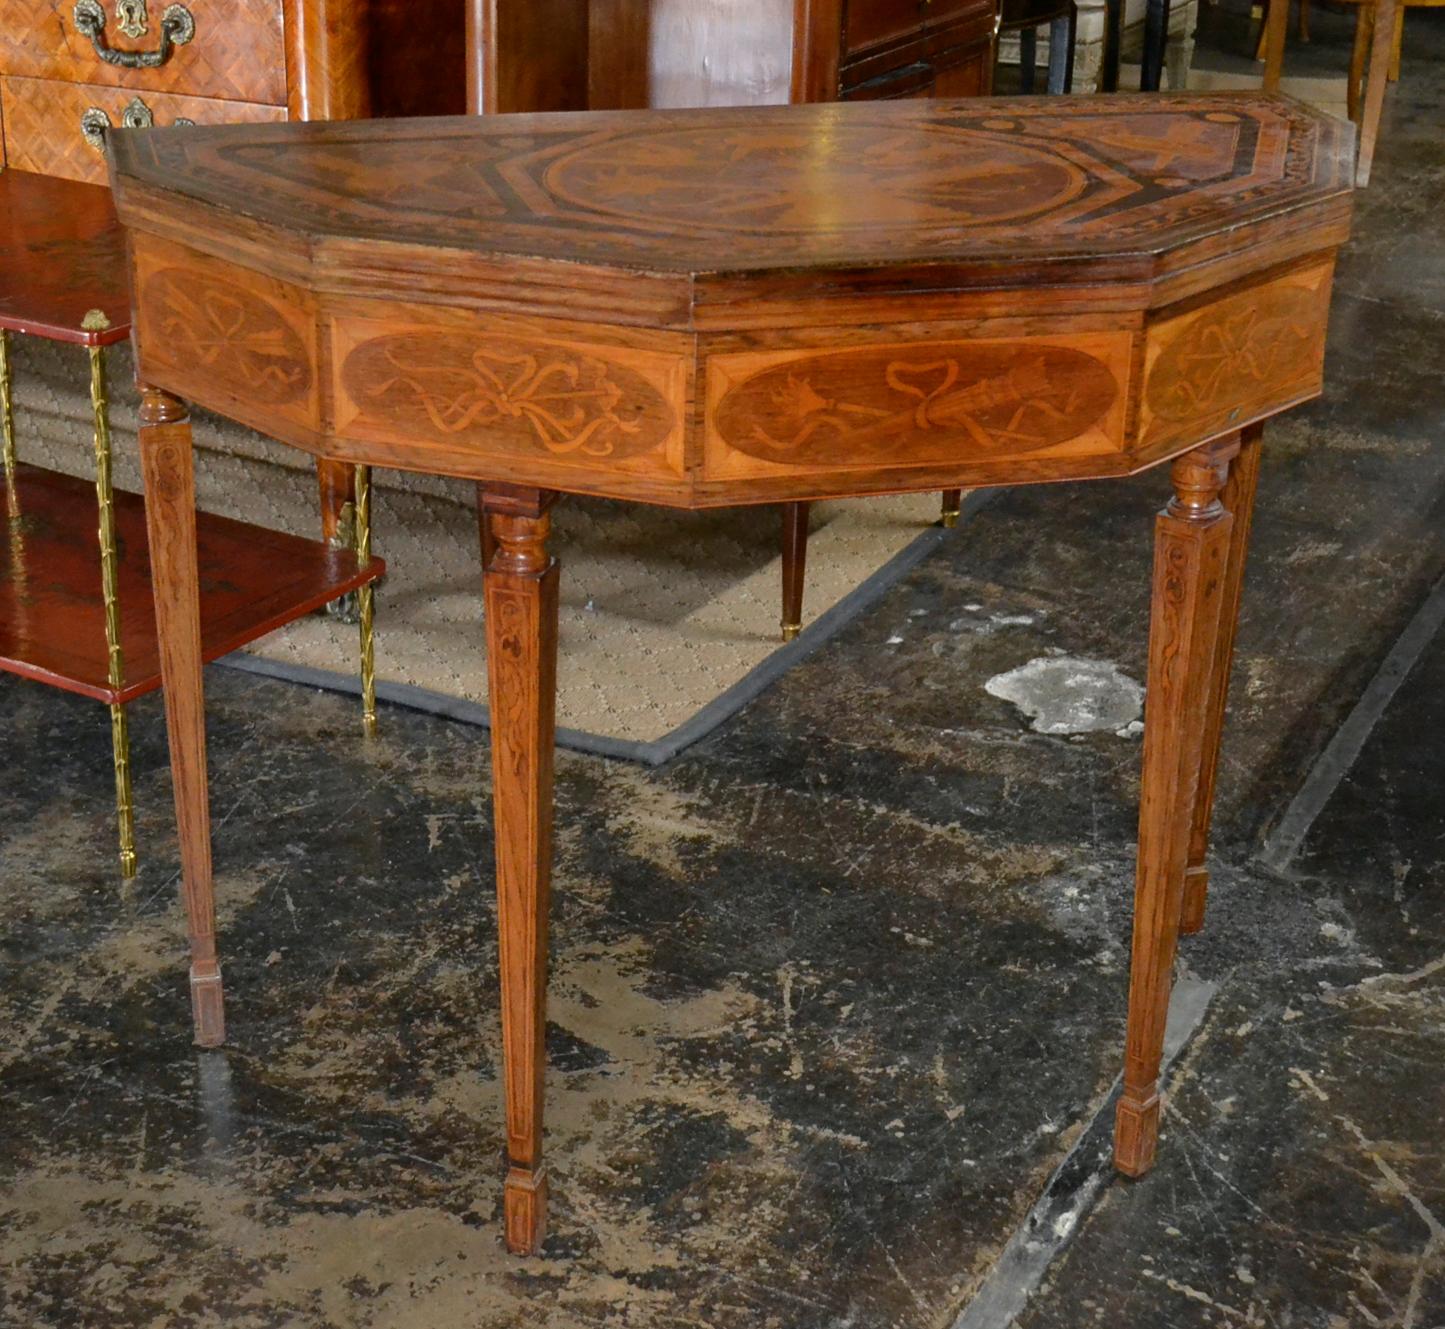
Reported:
(971, 75)
(868, 23)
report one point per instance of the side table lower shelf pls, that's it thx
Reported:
(52, 602)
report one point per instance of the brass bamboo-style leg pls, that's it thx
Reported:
(365, 601)
(170, 488)
(952, 507)
(95, 321)
(7, 411)
(521, 593)
(1190, 559)
(795, 566)
(1238, 501)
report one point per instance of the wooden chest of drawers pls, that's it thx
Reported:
(70, 67)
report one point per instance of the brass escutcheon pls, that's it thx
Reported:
(131, 18)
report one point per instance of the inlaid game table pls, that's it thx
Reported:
(743, 306)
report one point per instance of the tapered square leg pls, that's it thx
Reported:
(170, 499)
(952, 507)
(521, 614)
(1238, 500)
(1190, 562)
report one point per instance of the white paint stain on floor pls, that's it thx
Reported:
(1066, 694)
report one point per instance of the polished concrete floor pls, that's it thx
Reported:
(838, 995)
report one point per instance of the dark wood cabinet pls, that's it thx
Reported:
(616, 54)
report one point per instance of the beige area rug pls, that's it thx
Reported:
(669, 620)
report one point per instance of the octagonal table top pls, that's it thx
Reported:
(949, 194)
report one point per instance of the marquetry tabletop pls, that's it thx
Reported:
(745, 306)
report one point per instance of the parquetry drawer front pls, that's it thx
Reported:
(236, 49)
(46, 129)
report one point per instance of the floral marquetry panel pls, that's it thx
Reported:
(921, 403)
(747, 305)
(513, 391)
(1236, 358)
(222, 331)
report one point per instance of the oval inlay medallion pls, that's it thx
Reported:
(937, 402)
(514, 394)
(738, 178)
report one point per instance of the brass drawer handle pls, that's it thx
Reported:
(137, 115)
(177, 28)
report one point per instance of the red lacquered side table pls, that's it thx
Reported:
(75, 577)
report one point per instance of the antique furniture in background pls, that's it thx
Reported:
(1025, 17)
(75, 592)
(1378, 24)
(69, 71)
(1105, 30)
(671, 54)
(703, 309)
(572, 55)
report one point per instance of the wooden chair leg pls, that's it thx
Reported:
(485, 539)
(952, 507)
(1072, 47)
(1276, 21)
(1387, 13)
(170, 488)
(1190, 558)
(336, 481)
(1399, 49)
(1113, 45)
(1238, 501)
(110, 598)
(1028, 59)
(1061, 54)
(521, 593)
(795, 566)
(1304, 20)
(1156, 37)
(1359, 54)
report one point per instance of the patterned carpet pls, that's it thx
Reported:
(662, 612)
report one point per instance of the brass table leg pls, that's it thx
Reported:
(109, 559)
(7, 410)
(952, 507)
(365, 603)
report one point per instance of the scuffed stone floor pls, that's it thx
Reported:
(834, 993)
